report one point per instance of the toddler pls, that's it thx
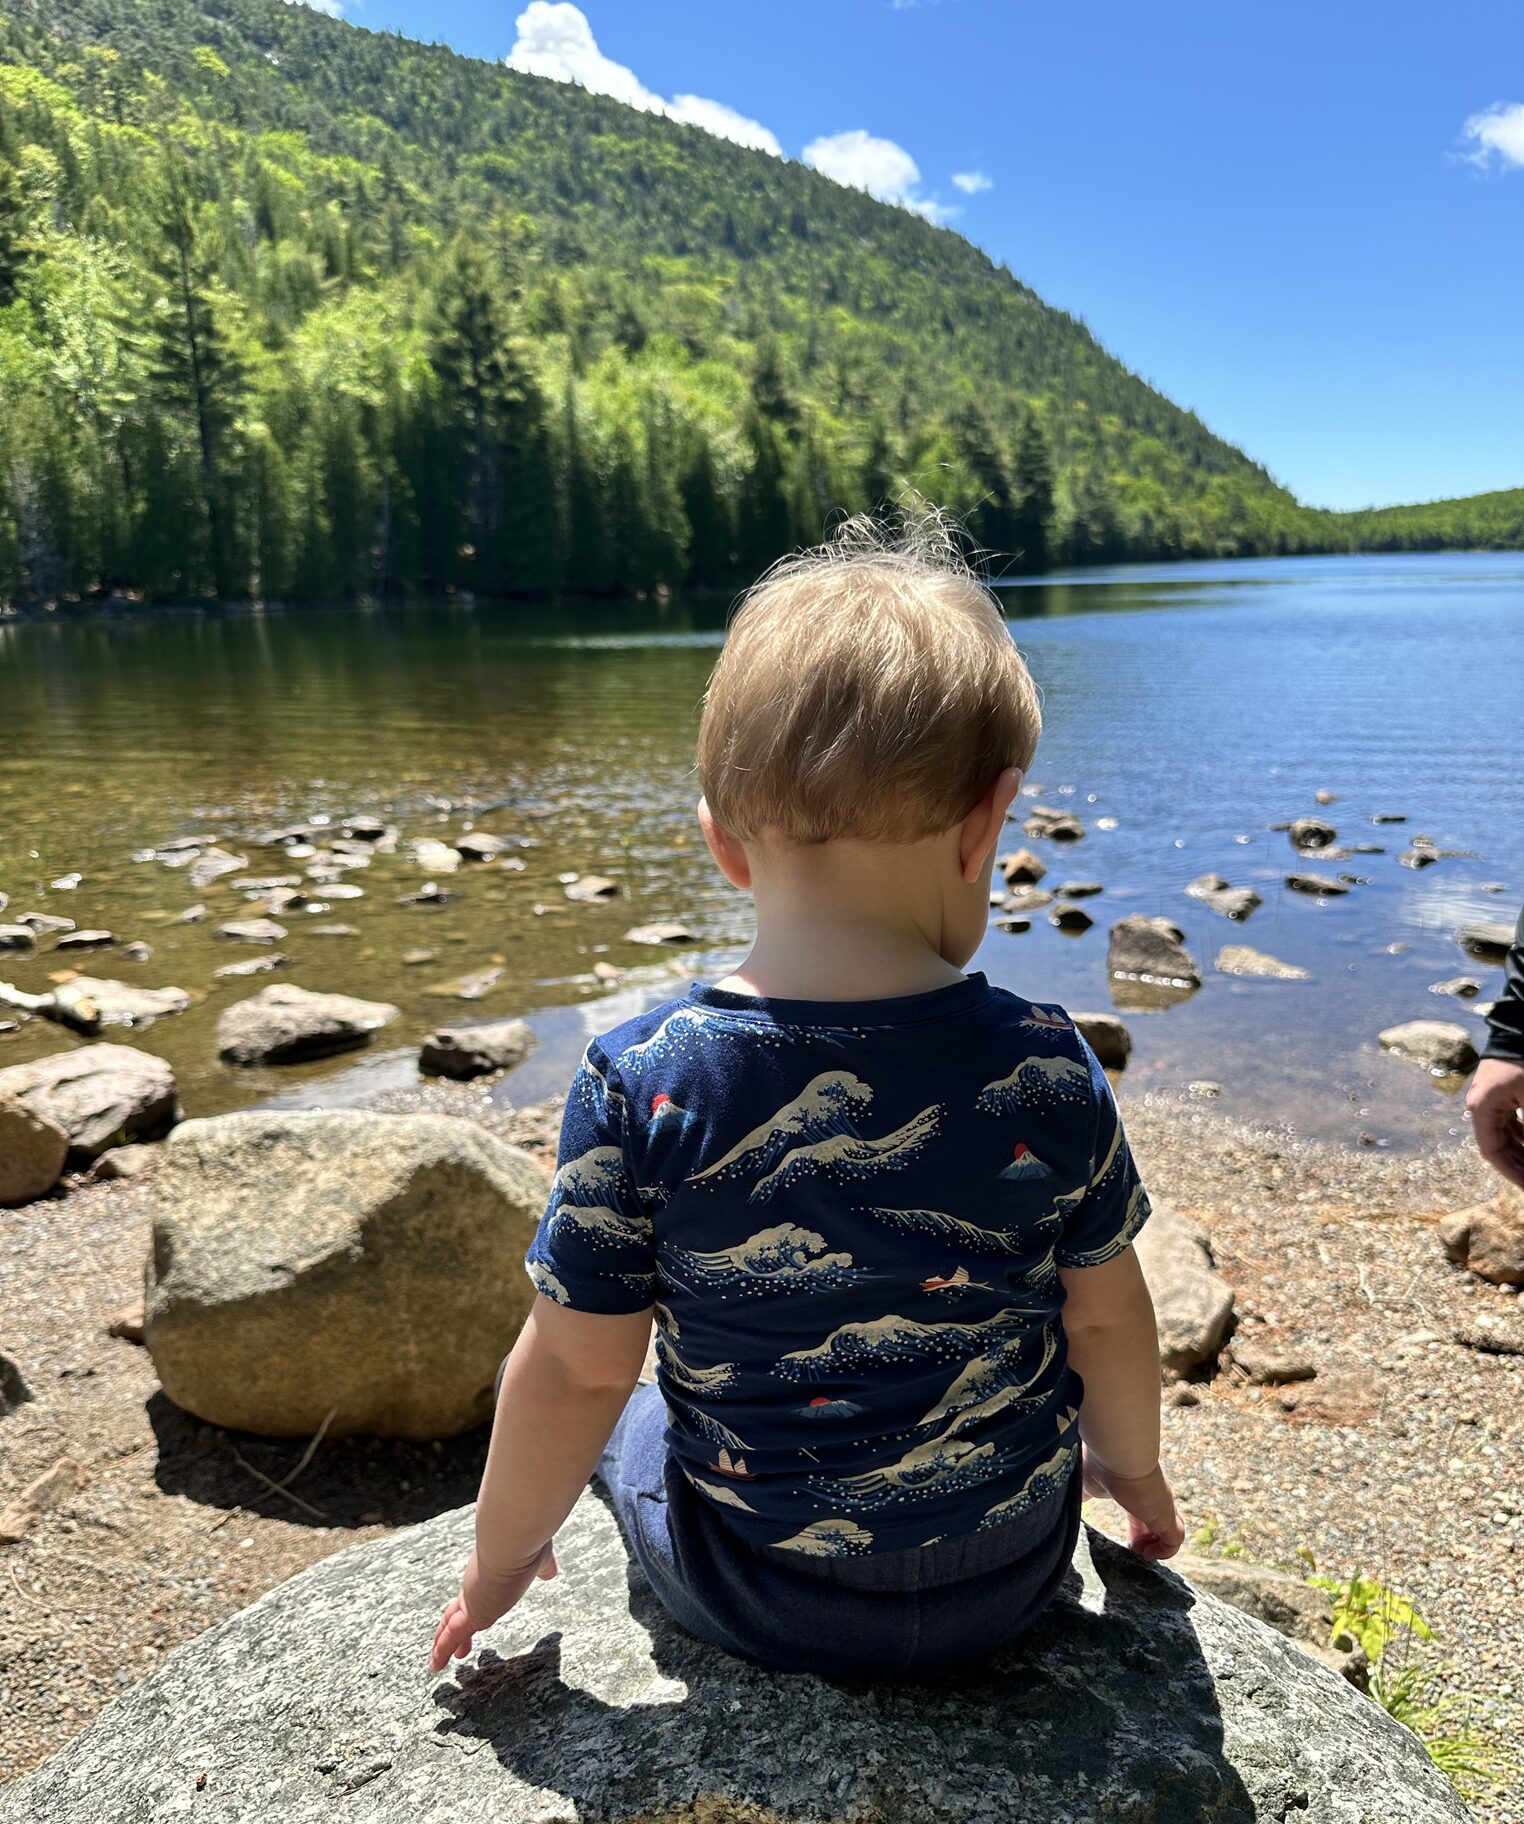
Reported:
(878, 1210)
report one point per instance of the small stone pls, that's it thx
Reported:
(1022, 868)
(480, 846)
(606, 972)
(1442, 1048)
(1321, 885)
(252, 931)
(472, 1051)
(33, 1149)
(466, 987)
(429, 894)
(1203, 1087)
(659, 934)
(284, 1024)
(1152, 950)
(133, 1161)
(1488, 1238)
(1390, 817)
(334, 931)
(1057, 826)
(256, 965)
(85, 940)
(14, 1391)
(414, 959)
(1324, 796)
(1193, 1303)
(61, 1479)
(588, 887)
(1183, 1394)
(1312, 833)
(1488, 942)
(1079, 889)
(1072, 919)
(128, 1323)
(1266, 1366)
(1465, 986)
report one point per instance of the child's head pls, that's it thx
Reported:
(868, 694)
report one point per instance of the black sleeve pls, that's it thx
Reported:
(1507, 1017)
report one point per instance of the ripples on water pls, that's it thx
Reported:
(1195, 705)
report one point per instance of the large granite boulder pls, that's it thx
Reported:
(32, 1152)
(1135, 1700)
(338, 1259)
(1192, 1301)
(99, 1095)
(284, 1024)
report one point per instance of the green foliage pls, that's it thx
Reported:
(1371, 1614)
(292, 309)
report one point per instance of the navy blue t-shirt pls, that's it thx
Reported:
(849, 1217)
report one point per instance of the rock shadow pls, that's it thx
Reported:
(1096, 1702)
(350, 1482)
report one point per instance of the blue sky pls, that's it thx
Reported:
(1305, 221)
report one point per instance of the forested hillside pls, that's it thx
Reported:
(292, 310)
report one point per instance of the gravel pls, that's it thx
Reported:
(1402, 1458)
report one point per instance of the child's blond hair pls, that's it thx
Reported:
(869, 689)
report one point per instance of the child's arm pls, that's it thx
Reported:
(1114, 1348)
(564, 1388)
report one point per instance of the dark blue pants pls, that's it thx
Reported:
(880, 1615)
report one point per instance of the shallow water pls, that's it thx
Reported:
(1195, 705)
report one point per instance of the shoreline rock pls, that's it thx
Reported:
(98, 1094)
(284, 1024)
(590, 1703)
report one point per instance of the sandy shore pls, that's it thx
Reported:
(1403, 1457)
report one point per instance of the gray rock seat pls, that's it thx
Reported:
(1137, 1700)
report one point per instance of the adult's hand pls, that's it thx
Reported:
(1495, 1103)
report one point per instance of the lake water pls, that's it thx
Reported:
(1193, 705)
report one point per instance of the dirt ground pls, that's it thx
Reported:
(1401, 1458)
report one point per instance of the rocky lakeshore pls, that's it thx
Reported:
(1363, 1409)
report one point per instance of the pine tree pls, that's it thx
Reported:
(1033, 519)
(711, 560)
(16, 248)
(993, 520)
(764, 524)
(589, 560)
(194, 363)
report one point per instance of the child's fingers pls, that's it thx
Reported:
(452, 1638)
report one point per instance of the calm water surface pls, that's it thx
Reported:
(1194, 705)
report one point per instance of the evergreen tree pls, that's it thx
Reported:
(16, 249)
(711, 561)
(764, 525)
(1033, 518)
(589, 559)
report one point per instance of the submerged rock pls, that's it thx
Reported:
(1489, 1237)
(1487, 941)
(18, 940)
(339, 1259)
(85, 940)
(472, 1051)
(1465, 987)
(33, 1148)
(1136, 1697)
(1227, 902)
(1322, 885)
(1070, 918)
(252, 931)
(1192, 1301)
(98, 1094)
(257, 965)
(592, 887)
(121, 1004)
(284, 1024)
(1438, 1045)
(1240, 959)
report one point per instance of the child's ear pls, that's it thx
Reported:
(729, 856)
(981, 828)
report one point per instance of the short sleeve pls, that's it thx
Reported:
(594, 1249)
(1114, 1206)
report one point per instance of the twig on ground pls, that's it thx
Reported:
(283, 1487)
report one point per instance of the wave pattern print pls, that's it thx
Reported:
(992, 1382)
(825, 1107)
(785, 1258)
(942, 1466)
(1035, 1082)
(884, 1341)
(598, 1173)
(545, 1281)
(593, 1093)
(681, 1037)
(1046, 1479)
(696, 1382)
(1135, 1213)
(847, 1158)
(833, 1538)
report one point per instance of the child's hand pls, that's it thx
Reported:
(1154, 1527)
(485, 1597)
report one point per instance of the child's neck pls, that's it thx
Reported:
(844, 929)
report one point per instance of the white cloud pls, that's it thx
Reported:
(1497, 135)
(715, 117)
(333, 8)
(864, 162)
(554, 39)
(972, 182)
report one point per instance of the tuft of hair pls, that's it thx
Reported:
(868, 690)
